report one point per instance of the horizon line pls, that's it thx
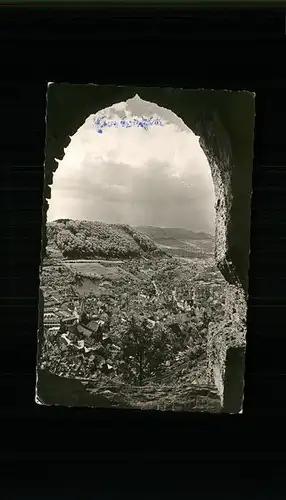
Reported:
(134, 225)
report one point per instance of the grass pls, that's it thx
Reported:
(94, 268)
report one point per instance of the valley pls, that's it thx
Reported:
(133, 326)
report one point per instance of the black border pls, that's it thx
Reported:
(39, 45)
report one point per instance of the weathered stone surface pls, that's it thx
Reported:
(229, 334)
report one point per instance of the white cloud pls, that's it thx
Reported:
(134, 175)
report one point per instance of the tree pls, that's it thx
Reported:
(145, 347)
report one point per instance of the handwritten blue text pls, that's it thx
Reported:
(143, 122)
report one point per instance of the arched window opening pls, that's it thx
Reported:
(135, 163)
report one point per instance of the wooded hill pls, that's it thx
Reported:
(75, 239)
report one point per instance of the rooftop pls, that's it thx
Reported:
(84, 331)
(93, 325)
(69, 318)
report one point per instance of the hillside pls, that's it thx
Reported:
(180, 242)
(75, 239)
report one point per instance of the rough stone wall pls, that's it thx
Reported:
(216, 145)
(229, 333)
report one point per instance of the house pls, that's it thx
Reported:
(84, 331)
(52, 323)
(150, 324)
(53, 330)
(105, 283)
(63, 314)
(93, 325)
(55, 298)
(69, 320)
(89, 329)
(50, 309)
(50, 316)
(49, 303)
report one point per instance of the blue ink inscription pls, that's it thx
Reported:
(143, 122)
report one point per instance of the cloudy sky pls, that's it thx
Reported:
(158, 176)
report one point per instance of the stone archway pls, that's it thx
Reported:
(224, 120)
(170, 159)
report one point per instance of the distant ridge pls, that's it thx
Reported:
(157, 232)
(180, 242)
